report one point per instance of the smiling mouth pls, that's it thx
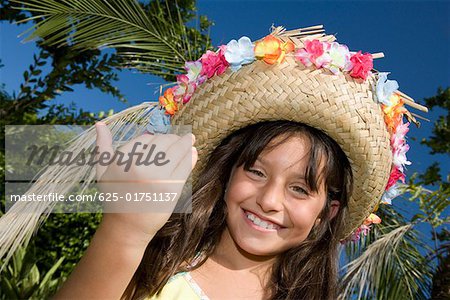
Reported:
(255, 220)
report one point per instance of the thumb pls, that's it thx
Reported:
(104, 145)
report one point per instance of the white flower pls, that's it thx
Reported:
(390, 194)
(399, 159)
(385, 88)
(239, 53)
(194, 68)
(159, 122)
(338, 59)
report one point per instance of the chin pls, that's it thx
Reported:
(254, 246)
(253, 249)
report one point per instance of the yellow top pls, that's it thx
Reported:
(180, 286)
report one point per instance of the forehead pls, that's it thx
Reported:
(287, 151)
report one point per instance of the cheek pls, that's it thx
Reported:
(238, 191)
(304, 215)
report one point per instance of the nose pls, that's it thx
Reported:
(271, 196)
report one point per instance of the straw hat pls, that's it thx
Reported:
(284, 87)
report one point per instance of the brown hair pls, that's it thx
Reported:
(308, 271)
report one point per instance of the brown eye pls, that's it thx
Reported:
(299, 190)
(256, 172)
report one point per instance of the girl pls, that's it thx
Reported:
(266, 216)
(297, 140)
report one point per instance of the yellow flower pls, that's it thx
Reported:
(393, 113)
(272, 50)
(168, 102)
(372, 219)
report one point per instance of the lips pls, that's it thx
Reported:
(262, 222)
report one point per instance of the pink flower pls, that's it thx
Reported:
(214, 63)
(399, 159)
(364, 228)
(185, 88)
(313, 53)
(395, 176)
(356, 235)
(314, 48)
(362, 64)
(398, 138)
(303, 56)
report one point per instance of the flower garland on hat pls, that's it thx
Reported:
(332, 56)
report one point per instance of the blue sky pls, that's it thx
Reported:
(414, 36)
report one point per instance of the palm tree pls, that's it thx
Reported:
(151, 38)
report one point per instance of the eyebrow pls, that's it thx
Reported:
(297, 175)
(260, 160)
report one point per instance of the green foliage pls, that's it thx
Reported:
(432, 204)
(441, 278)
(152, 38)
(68, 235)
(435, 204)
(23, 279)
(55, 70)
(439, 142)
(69, 68)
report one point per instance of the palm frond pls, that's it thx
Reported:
(392, 219)
(152, 41)
(389, 268)
(19, 223)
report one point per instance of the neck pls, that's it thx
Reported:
(230, 256)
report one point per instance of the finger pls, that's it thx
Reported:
(194, 158)
(104, 144)
(157, 152)
(137, 143)
(179, 150)
(164, 141)
(186, 165)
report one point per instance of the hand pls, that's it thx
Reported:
(172, 158)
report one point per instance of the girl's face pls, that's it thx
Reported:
(270, 207)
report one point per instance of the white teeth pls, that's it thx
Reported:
(257, 221)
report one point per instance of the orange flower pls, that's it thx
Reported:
(272, 50)
(168, 102)
(393, 113)
(372, 219)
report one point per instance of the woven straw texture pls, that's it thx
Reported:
(339, 105)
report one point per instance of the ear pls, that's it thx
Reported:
(335, 205)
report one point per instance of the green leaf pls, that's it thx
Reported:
(151, 43)
(46, 280)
